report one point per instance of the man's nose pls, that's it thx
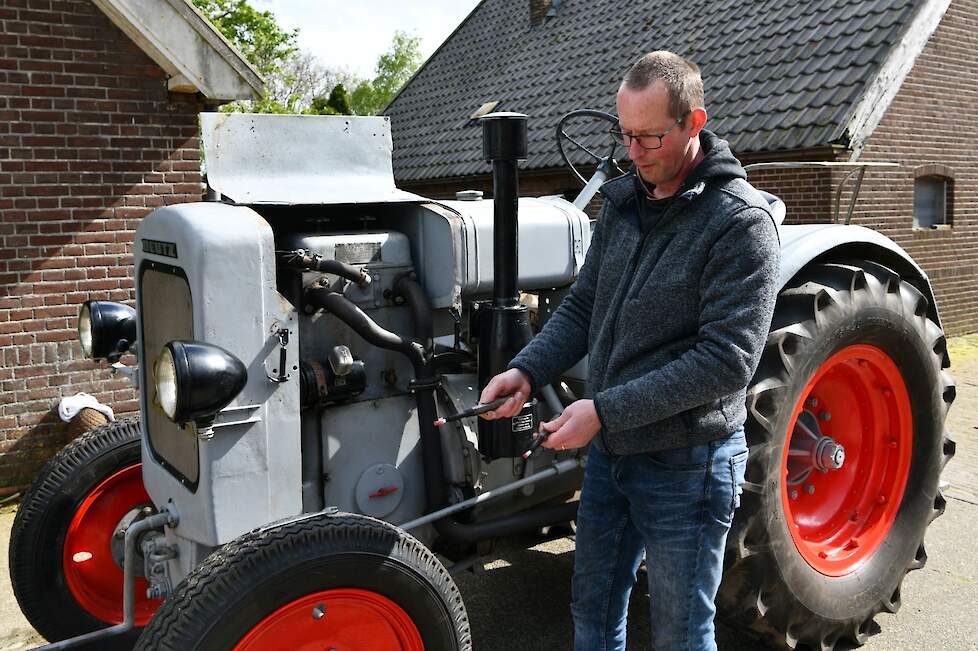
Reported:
(635, 149)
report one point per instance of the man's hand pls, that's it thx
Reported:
(574, 428)
(512, 382)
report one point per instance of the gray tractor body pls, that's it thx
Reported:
(208, 272)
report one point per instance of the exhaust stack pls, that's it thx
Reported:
(505, 327)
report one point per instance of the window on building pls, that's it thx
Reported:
(932, 201)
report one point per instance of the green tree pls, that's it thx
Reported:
(339, 100)
(255, 33)
(320, 106)
(394, 68)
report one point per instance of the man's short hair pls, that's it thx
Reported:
(681, 77)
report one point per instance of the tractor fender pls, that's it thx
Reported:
(802, 245)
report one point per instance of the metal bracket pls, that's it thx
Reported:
(131, 373)
(283, 343)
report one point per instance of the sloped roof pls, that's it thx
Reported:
(189, 48)
(778, 74)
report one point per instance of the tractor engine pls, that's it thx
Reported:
(277, 275)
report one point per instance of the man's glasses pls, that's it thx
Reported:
(644, 140)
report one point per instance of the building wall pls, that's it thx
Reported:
(90, 142)
(933, 121)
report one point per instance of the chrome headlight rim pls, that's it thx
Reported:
(85, 329)
(167, 383)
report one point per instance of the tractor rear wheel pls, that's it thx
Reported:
(847, 442)
(325, 581)
(65, 554)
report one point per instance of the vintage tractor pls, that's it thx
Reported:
(285, 485)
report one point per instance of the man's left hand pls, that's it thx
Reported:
(574, 428)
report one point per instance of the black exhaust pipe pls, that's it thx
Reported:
(504, 327)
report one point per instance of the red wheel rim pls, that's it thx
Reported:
(93, 576)
(343, 618)
(838, 518)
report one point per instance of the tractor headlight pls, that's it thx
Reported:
(166, 383)
(195, 380)
(85, 330)
(105, 329)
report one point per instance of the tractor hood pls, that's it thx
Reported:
(300, 159)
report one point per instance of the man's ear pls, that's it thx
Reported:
(696, 121)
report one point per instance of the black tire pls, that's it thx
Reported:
(768, 587)
(37, 539)
(229, 595)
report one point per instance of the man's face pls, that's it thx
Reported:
(646, 111)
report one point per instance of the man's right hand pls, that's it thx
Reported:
(509, 383)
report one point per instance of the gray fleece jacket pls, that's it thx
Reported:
(674, 316)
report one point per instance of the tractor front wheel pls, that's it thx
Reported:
(847, 442)
(66, 542)
(325, 581)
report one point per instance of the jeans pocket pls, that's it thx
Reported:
(691, 458)
(738, 468)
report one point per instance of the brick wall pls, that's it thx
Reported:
(90, 141)
(934, 121)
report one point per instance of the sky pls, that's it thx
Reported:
(352, 35)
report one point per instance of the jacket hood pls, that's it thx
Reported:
(719, 163)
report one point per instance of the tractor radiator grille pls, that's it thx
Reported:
(166, 313)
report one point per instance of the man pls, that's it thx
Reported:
(673, 305)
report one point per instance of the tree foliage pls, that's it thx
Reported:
(297, 82)
(393, 70)
(255, 33)
(338, 102)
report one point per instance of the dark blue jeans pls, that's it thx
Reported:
(674, 507)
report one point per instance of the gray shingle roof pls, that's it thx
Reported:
(778, 74)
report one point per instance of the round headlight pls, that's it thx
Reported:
(85, 330)
(195, 380)
(106, 329)
(166, 383)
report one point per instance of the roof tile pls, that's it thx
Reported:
(778, 74)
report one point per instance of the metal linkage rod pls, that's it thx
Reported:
(556, 469)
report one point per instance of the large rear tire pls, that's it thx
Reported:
(330, 580)
(847, 442)
(65, 561)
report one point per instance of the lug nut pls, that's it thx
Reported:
(812, 402)
(319, 611)
(810, 489)
(793, 494)
(826, 416)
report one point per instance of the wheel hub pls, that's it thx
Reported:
(118, 542)
(810, 450)
(829, 454)
(853, 425)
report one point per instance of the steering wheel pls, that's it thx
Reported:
(562, 136)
